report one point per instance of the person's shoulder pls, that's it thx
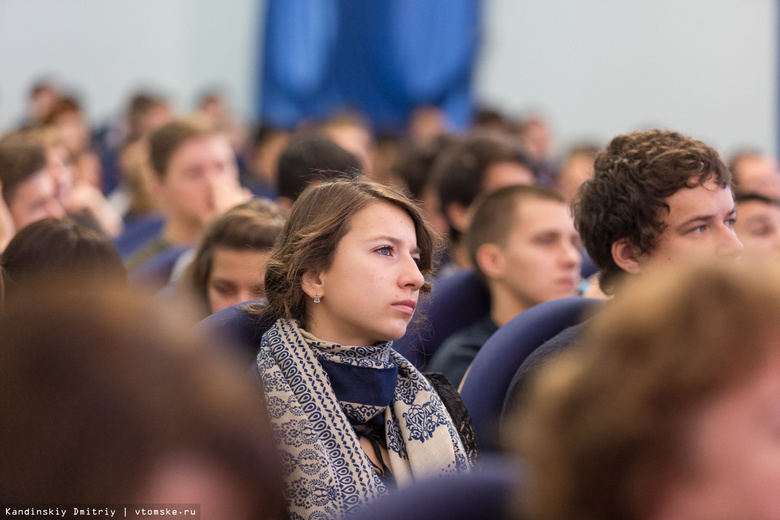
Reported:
(456, 353)
(469, 338)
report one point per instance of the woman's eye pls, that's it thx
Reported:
(385, 250)
(224, 290)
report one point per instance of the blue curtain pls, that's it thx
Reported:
(381, 57)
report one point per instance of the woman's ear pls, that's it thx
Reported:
(312, 284)
(490, 260)
(626, 255)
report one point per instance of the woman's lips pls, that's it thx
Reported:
(406, 306)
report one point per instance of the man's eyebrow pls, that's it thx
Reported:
(704, 218)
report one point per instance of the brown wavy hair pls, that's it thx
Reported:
(319, 219)
(626, 197)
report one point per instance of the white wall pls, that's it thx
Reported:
(602, 67)
(594, 67)
(104, 49)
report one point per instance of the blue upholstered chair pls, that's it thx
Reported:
(237, 327)
(137, 233)
(456, 301)
(156, 272)
(487, 381)
(486, 492)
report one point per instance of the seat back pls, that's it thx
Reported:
(456, 301)
(136, 234)
(238, 327)
(156, 272)
(488, 378)
(484, 493)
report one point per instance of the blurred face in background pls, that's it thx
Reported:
(201, 180)
(759, 174)
(758, 228)
(34, 199)
(237, 275)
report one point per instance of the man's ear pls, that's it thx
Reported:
(313, 284)
(458, 216)
(490, 260)
(626, 256)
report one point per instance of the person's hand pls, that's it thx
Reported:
(228, 195)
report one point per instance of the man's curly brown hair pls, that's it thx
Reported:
(626, 197)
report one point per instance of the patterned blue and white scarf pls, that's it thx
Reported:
(327, 473)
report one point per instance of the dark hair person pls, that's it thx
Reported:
(352, 416)
(54, 249)
(106, 400)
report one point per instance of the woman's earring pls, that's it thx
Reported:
(316, 298)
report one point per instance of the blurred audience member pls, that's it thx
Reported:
(213, 105)
(667, 409)
(229, 265)
(55, 249)
(352, 131)
(481, 162)
(196, 178)
(82, 200)
(29, 191)
(311, 157)
(68, 118)
(146, 111)
(263, 164)
(758, 227)
(576, 169)
(44, 94)
(427, 122)
(414, 166)
(384, 156)
(756, 172)
(536, 139)
(136, 197)
(107, 401)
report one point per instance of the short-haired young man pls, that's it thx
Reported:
(523, 245)
(196, 177)
(656, 197)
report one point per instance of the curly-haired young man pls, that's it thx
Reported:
(656, 197)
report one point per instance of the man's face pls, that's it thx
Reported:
(758, 228)
(34, 199)
(541, 259)
(760, 174)
(700, 223)
(201, 180)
